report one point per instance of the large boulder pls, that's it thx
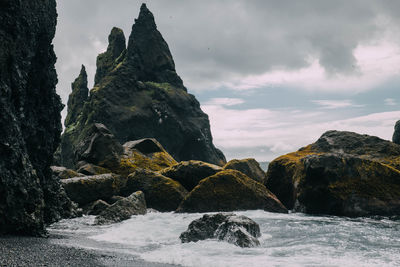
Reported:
(343, 173)
(64, 173)
(238, 230)
(30, 119)
(161, 193)
(99, 147)
(123, 209)
(396, 133)
(190, 173)
(143, 154)
(250, 167)
(230, 190)
(84, 190)
(138, 94)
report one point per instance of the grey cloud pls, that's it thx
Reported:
(214, 40)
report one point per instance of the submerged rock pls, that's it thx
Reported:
(238, 230)
(230, 190)
(123, 209)
(342, 173)
(161, 193)
(30, 196)
(250, 167)
(190, 173)
(138, 94)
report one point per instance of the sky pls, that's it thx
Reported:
(273, 76)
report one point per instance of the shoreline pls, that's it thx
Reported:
(37, 251)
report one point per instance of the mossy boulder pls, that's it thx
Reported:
(84, 190)
(64, 173)
(161, 193)
(123, 209)
(343, 173)
(91, 169)
(230, 190)
(190, 173)
(133, 159)
(250, 167)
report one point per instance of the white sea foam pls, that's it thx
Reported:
(287, 240)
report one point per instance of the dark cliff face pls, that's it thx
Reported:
(141, 96)
(30, 117)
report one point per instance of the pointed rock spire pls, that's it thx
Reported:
(109, 59)
(149, 53)
(78, 97)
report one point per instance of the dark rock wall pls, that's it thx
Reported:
(29, 117)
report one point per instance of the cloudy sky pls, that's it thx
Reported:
(271, 75)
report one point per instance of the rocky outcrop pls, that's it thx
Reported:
(238, 230)
(230, 190)
(108, 60)
(84, 190)
(123, 209)
(250, 167)
(342, 173)
(161, 193)
(396, 133)
(138, 94)
(30, 118)
(96, 207)
(77, 98)
(190, 173)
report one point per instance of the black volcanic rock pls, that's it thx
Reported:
(396, 134)
(342, 173)
(108, 60)
(142, 96)
(30, 118)
(78, 97)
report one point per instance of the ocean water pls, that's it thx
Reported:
(287, 240)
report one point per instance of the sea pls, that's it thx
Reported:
(293, 239)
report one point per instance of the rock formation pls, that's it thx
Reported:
(342, 173)
(396, 133)
(250, 167)
(138, 94)
(30, 117)
(238, 230)
(230, 190)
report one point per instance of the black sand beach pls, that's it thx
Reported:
(33, 251)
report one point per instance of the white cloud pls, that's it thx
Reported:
(390, 102)
(284, 131)
(225, 101)
(334, 104)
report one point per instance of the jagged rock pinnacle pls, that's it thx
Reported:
(149, 53)
(108, 60)
(78, 97)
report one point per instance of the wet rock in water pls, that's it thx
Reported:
(230, 190)
(161, 193)
(250, 167)
(190, 173)
(30, 119)
(238, 230)
(64, 173)
(342, 173)
(138, 94)
(123, 209)
(84, 190)
(96, 207)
